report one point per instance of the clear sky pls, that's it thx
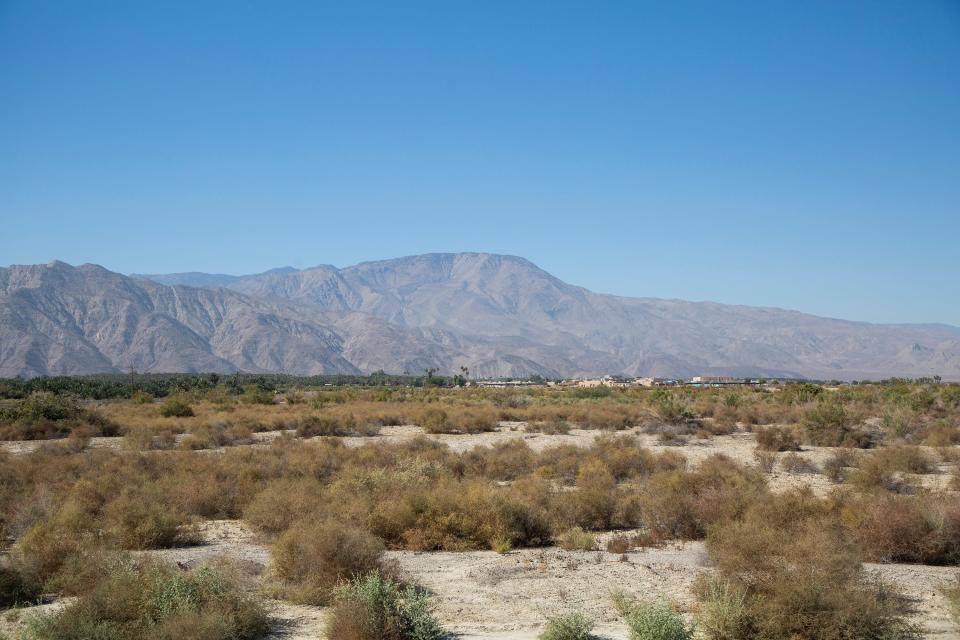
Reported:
(795, 154)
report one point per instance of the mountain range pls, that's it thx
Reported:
(497, 315)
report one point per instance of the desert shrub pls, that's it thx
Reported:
(594, 502)
(14, 587)
(140, 518)
(375, 607)
(766, 460)
(671, 408)
(789, 570)
(339, 424)
(176, 407)
(253, 394)
(567, 626)
(435, 421)
(45, 415)
(682, 505)
(472, 421)
(618, 544)
(313, 558)
(156, 602)
(884, 469)
(501, 461)
(652, 620)
(897, 528)
(795, 463)
(777, 439)
(139, 438)
(79, 438)
(941, 434)
(905, 459)
(829, 425)
(282, 502)
(613, 418)
(142, 397)
(723, 609)
(835, 467)
(576, 539)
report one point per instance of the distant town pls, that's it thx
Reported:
(626, 382)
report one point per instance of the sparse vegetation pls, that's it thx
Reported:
(375, 607)
(652, 620)
(567, 626)
(156, 602)
(785, 562)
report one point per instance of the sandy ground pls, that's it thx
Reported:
(483, 595)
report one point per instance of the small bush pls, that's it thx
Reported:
(374, 607)
(314, 558)
(253, 394)
(142, 397)
(618, 544)
(343, 424)
(795, 463)
(723, 609)
(766, 460)
(567, 626)
(176, 408)
(835, 467)
(14, 589)
(139, 518)
(652, 620)
(777, 439)
(577, 539)
(829, 425)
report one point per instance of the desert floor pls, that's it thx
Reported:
(491, 596)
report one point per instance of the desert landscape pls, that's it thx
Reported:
(621, 320)
(515, 513)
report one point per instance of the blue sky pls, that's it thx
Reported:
(795, 154)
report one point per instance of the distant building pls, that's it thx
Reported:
(715, 380)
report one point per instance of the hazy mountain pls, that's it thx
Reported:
(498, 315)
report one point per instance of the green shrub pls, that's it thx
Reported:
(567, 626)
(374, 607)
(142, 397)
(156, 602)
(253, 394)
(652, 620)
(723, 610)
(577, 539)
(176, 408)
(829, 425)
(339, 424)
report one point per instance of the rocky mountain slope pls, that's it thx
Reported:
(497, 315)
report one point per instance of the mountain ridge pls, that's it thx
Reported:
(499, 315)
